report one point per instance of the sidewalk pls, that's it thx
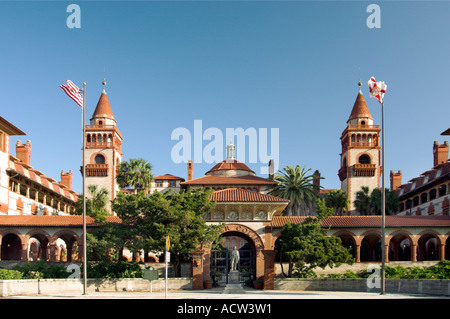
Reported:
(217, 293)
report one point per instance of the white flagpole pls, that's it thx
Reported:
(84, 195)
(383, 209)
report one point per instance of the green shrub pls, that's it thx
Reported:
(6, 274)
(40, 269)
(120, 269)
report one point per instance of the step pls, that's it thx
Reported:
(233, 289)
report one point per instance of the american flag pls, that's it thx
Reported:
(73, 92)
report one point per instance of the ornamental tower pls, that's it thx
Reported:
(360, 157)
(103, 148)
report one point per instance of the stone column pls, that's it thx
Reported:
(358, 253)
(413, 252)
(269, 269)
(197, 269)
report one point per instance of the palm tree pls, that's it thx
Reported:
(362, 200)
(392, 202)
(135, 173)
(295, 184)
(338, 200)
(96, 204)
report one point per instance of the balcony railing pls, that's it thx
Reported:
(364, 169)
(97, 170)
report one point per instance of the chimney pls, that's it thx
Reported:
(23, 152)
(440, 153)
(316, 182)
(190, 169)
(396, 180)
(66, 179)
(271, 169)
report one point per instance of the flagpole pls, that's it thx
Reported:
(383, 209)
(84, 195)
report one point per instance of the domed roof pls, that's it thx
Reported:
(230, 165)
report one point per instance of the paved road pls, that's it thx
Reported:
(217, 293)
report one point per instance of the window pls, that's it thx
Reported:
(99, 159)
(364, 159)
(172, 184)
(159, 183)
(442, 190)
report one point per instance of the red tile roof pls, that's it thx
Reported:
(369, 221)
(224, 180)
(230, 165)
(360, 108)
(243, 195)
(168, 177)
(103, 108)
(50, 221)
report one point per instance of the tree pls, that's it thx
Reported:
(295, 184)
(391, 202)
(306, 245)
(135, 173)
(367, 202)
(338, 200)
(178, 215)
(362, 200)
(95, 205)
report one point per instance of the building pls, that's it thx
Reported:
(103, 152)
(166, 182)
(24, 189)
(429, 193)
(360, 156)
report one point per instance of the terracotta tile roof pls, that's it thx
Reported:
(360, 108)
(50, 221)
(103, 108)
(224, 180)
(230, 165)
(16, 166)
(168, 177)
(425, 180)
(369, 221)
(243, 195)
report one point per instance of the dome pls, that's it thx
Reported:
(230, 168)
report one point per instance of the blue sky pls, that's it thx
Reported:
(291, 65)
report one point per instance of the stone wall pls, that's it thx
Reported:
(75, 286)
(398, 286)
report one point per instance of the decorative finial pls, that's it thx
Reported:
(104, 80)
(359, 83)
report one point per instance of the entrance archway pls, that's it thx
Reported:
(11, 247)
(220, 259)
(251, 264)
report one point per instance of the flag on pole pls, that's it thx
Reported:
(73, 92)
(377, 89)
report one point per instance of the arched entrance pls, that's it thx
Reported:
(11, 247)
(251, 261)
(220, 263)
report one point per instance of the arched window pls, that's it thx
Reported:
(99, 159)
(364, 159)
(423, 197)
(88, 138)
(442, 190)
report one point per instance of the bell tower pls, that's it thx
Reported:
(103, 147)
(360, 157)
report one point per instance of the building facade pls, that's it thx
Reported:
(360, 156)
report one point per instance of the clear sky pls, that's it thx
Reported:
(291, 65)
